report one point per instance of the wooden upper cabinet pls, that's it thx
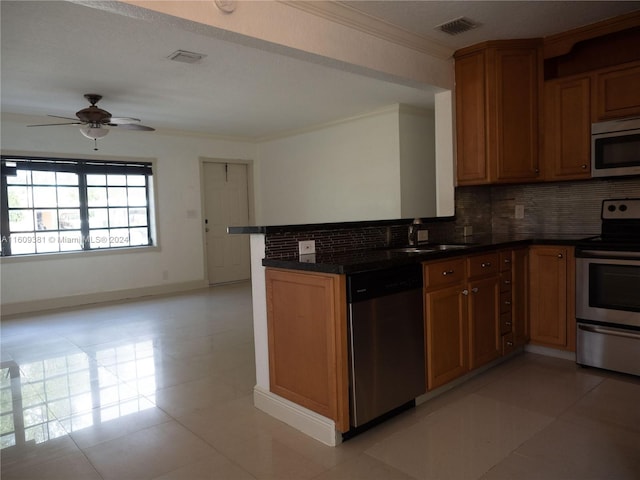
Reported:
(566, 149)
(618, 92)
(497, 99)
(470, 119)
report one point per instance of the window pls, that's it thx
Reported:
(60, 205)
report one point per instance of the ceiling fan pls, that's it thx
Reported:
(94, 121)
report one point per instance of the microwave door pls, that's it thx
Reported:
(615, 153)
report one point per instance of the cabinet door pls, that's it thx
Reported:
(306, 321)
(513, 114)
(484, 322)
(618, 92)
(471, 159)
(446, 335)
(548, 295)
(567, 129)
(520, 295)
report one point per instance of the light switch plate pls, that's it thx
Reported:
(306, 247)
(519, 213)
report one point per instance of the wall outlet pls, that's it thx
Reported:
(519, 211)
(423, 235)
(467, 231)
(306, 247)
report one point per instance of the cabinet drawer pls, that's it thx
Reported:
(505, 282)
(508, 344)
(506, 323)
(448, 272)
(505, 302)
(481, 265)
(505, 261)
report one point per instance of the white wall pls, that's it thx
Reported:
(343, 172)
(376, 167)
(417, 163)
(179, 229)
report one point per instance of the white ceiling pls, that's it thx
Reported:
(53, 52)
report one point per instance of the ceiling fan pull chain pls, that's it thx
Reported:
(95, 144)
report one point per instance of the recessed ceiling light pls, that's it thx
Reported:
(457, 25)
(186, 57)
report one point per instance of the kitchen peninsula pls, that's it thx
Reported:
(378, 247)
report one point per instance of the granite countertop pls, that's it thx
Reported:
(375, 259)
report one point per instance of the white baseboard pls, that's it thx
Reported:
(310, 423)
(21, 308)
(550, 352)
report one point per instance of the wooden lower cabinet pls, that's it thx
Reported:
(552, 296)
(461, 315)
(308, 359)
(446, 335)
(485, 343)
(520, 296)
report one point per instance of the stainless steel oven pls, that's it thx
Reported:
(608, 291)
(608, 288)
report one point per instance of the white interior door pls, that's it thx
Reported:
(226, 204)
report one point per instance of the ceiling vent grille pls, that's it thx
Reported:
(456, 26)
(186, 57)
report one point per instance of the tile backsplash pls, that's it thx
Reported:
(559, 208)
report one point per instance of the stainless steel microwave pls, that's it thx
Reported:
(615, 148)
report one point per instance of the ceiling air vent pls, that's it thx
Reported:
(186, 57)
(456, 26)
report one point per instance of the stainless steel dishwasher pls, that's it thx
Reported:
(386, 341)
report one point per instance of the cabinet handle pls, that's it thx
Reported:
(447, 272)
(507, 282)
(486, 264)
(465, 292)
(560, 255)
(508, 324)
(583, 166)
(506, 260)
(507, 302)
(474, 289)
(509, 344)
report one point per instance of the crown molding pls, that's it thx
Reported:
(562, 43)
(349, 17)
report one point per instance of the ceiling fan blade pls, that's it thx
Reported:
(132, 126)
(51, 124)
(123, 120)
(66, 118)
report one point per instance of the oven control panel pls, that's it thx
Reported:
(623, 209)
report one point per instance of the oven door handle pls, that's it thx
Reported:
(610, 331)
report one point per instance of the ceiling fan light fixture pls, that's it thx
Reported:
(93, 132)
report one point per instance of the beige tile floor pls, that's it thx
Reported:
(161, 389)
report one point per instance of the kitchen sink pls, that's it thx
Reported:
(433, 247)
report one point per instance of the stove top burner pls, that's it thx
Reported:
(620, 226)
